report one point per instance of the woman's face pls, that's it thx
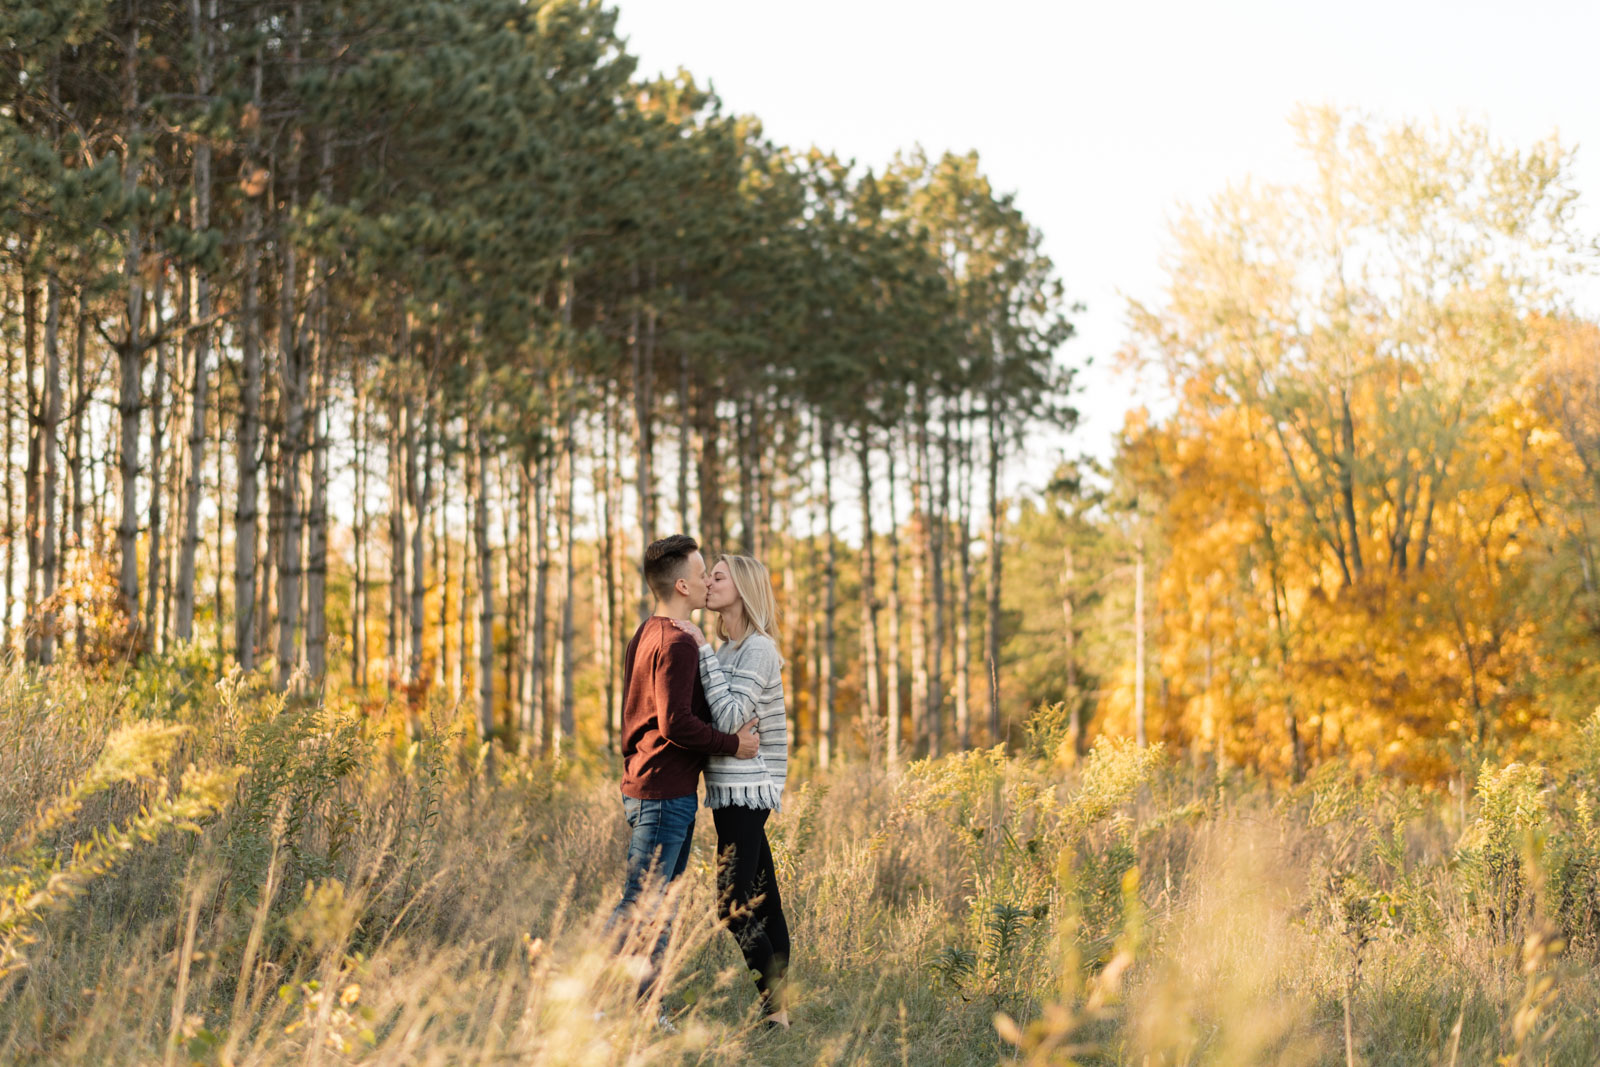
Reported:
(720, 591)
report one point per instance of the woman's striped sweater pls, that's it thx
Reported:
(741, 680)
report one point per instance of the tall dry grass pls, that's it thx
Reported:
(344, 887)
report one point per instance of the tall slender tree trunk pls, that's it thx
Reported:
(316, 628)
(618, 631)
(359, 587)
(830, 600)
(964, 607)
(644, 428)
(80, 405)
(796, 655)
(605, 584)
(441, 551)
(525, 649)
(747, 492)
(316, 634)
(200, 337)
(921, 740)
(154, 564)
(291, 441)
(869, 586)
(244, 530)
(218, 603)
(419, 487)
(996, 537)
(939, 510)
(509, 673)
(49, 421)
(400, 431)
(468, 556)
(685, 433)
(28, 315)
(271, 532)
(713, 522)
(130, 354)
(479, 489)
(538, 654)
(459, 665)
(893, 742)
(566, 726)
(33, 465)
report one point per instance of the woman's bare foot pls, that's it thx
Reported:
(779, 1019)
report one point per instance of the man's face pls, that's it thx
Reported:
(693, 582)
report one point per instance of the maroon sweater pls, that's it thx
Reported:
(666, 722)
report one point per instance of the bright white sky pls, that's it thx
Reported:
(1103, 117)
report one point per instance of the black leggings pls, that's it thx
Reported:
(745, 873)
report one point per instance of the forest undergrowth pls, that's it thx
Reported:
(203, 872)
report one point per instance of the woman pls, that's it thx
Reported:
(742, 678)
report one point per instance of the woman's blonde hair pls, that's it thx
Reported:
(754, 586)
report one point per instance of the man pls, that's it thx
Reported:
(666, 725)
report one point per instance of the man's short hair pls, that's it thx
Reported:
(664, 560)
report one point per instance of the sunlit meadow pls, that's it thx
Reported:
(210, 873)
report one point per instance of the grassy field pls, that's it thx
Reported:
(202, 873)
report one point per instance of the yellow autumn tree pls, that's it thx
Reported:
(1352, 482)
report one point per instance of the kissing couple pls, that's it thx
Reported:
(686, 709)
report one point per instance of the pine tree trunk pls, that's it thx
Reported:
(713, 522)
(317, 535)
(605, 575)
(795, 656)
(527, 740)
(49, 421)
(130, 354)
(200, 317)
(26, 391)
(478, 488)
(567, 725)
(938, 510)
(419, 486)
(218, 603)
(358, 587)
(399, 429)
(459, 665)
(920, 740)
(10, 466)
(893, 743)
(992, 635)
(244, 531)
(538, 652)
(154, 563)
(747, 495)
(619, 630)
(644, 443)
(964, 607)
(441, 552)
(685, 428)
(316, 626)
(271, 540)
(80, 406)
(830, 600)
(467, 558)
(869, 587)
(508, 661)
(291, 441)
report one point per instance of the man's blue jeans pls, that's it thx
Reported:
(663, 831)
